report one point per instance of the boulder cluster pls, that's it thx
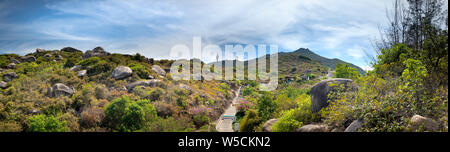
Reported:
(98, 51)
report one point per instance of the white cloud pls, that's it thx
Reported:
(153, 27)
(367, 68)
(356, 52)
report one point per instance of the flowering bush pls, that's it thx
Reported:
(243, 105)
(200, 110)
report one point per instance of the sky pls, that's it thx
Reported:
(340, 29)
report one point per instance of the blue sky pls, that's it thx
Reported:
(332, 28)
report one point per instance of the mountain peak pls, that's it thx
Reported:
(331, 63)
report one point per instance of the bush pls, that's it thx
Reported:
(345, 71)
(140, 70)
(43, 123)
(124, 114)
(288, 122)
(84, 97)
(266, 106)
(101, 92)
(250, 121)
(89, 61)
(92, 117)
(296, 118)
(169, 124)
(12, 126)
(149, 93)
(100, 67)
(133, 117)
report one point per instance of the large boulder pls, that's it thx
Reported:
(82, 73)
(9, 76)
(15, 61)
(267, 127)
(48, 55)
(98, 51)
(28, 58)
(39, 50)
(121, 72)
(76, 68)
(60, 89)
(11, 66)
(70, 49)
(147, 83)
(420, 123)
(354, 126)
(320, 91)
(159, 70)
(313, 128)
(3, 84)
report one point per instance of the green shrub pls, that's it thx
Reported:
(200, 120)
(99, 67)
(296, 118)
(266, 106)
(85, 97)
(133, 117)
(250, 121)
(153, 94)
(345, 71)
(43, 123)
(89, 61)
(288, 122)
(140, 70)
(124, 114)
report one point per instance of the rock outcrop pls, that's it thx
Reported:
(420, 123)
(313, 128)
(28, 58)
(70, 49)
(320, 91)
(75, 68)
(9, 76)
(11, 66)
(267, 127)
(159, 70)
(60, 89)
(3, 84)
(39, 50)
(354, 126)
(15, 61)
(147, 83)
(121, 72)
(98, 51)
(82, 73)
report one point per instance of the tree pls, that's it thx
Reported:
(345, 71)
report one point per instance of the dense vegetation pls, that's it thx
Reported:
(101, 103)
(410, 77)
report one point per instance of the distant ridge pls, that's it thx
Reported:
(331, 63)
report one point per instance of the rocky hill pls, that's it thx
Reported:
(96, 90)
(331, 63)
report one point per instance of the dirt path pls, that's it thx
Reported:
(226, 125)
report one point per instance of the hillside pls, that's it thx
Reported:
(331, 63)
(302, 62)
(71, 90)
